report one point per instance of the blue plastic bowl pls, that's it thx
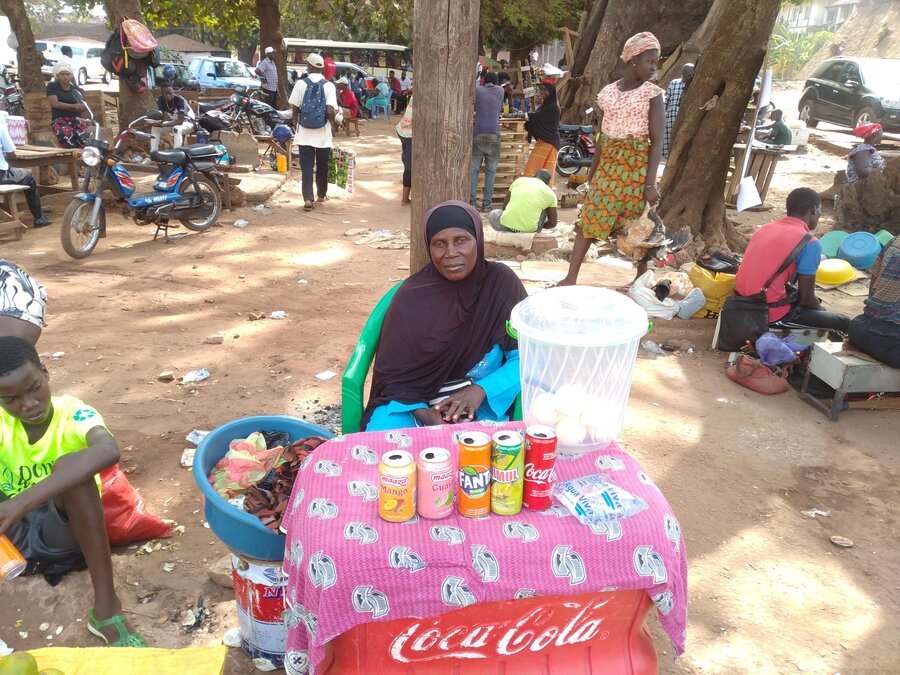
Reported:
(240, 531)
(860, 249)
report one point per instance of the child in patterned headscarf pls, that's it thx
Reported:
(629, 147)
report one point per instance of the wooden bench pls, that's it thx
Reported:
(351, 121)
(9, 210)
(846, 374)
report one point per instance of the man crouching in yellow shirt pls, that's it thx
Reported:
(51, 448)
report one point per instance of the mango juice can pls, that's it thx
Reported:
(397, 486)
(474, 474)
(12, 564)
(434, 484)
(507, 473)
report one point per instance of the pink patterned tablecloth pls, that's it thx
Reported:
(346, 566)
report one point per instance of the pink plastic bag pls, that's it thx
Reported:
(245, 464)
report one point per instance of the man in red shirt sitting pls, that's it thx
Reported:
(347, 101)
(768, 249)
(398, 100)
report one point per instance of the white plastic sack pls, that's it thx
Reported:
(642, 294)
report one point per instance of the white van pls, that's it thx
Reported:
(85, 59)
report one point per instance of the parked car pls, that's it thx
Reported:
(220, 72)
(184, 78)
(344, 69)
(85, 60)
(851, 91)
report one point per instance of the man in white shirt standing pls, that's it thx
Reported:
(314, 100)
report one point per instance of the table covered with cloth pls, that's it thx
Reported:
(346, 566)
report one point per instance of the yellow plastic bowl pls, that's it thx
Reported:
(834, 271)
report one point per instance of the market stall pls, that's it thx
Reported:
(346, 567)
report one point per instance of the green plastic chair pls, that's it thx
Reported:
(353, 382)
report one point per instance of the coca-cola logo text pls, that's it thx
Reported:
(539, 475)
(538, 629)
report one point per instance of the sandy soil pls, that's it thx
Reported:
(769, 593)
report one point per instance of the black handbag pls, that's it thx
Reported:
(745, 317)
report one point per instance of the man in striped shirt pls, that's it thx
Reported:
(269, 73)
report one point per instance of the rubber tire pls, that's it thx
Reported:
(867, 111)
(65, 231)
(188, 186)
(573, 151)
(811, 120)
(82, 77)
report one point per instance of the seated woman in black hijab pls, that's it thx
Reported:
(444, 355)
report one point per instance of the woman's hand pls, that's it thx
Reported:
(461, 403)
(651, 195)
(430, 417)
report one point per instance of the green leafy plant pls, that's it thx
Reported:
(789, 52)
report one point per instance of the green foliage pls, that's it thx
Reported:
(522, 24)
(50, 11)
(789, 52)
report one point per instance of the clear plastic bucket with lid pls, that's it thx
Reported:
(577, 347)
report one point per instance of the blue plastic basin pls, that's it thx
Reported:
(240, 531)
(860, 249)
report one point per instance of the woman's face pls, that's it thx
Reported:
(454, 252)
(645, 64)
(875, 138)
(64, 77)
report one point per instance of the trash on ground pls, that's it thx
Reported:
(166, 376)
(168, 567)
(44, 627)
(241, 223)
(58, 355)
(187, 457)
(651, 347)
(196, 436)
(302, 281)
(262, 207)
(195, 376)
(325, 375)
(256, 316)
(840, 541)
(278, 314)
(232, 637)
(264, 665)
(214, 339)
(812, 513)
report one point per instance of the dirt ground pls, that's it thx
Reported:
(769, 593)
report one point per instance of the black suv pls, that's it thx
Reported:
(853, 91)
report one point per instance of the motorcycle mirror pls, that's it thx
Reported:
(154, 115)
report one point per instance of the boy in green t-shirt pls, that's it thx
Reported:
(51, 448)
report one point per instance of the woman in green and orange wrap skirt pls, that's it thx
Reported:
(623, 174)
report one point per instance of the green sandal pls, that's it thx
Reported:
(126, 639)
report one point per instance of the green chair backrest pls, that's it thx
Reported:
(354, 380)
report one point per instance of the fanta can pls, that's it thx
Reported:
(12, 564)
(434, 484)
(397, 486)
(474, 474)
(507, 473)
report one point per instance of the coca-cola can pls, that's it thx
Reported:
(540, 458)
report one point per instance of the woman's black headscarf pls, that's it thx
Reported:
(436, 330)
(543, 123)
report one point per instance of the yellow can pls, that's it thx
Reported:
(507, 473)
(281, 163)
(397, 486)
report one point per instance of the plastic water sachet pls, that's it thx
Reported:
(596, 499)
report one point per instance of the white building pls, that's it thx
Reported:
(816, 15)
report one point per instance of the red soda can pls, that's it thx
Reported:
(540, 458)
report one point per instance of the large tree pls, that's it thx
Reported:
(131, 104)
(30, 78)
(522, 25)
(671, 22)
(270, 36)
(693, 185)
(447, 32)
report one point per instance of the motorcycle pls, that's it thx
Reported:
(577, 149)
(188, 189)
(247, 112)
(11, 99)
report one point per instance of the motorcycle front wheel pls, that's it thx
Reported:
(566, 155)
(210, 199)
(76, 235)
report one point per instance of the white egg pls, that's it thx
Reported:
(570, 431)
(543, 409)
(571, 400)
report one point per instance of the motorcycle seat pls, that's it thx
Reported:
(286, 115)
(169, 156)
(200, 150)
(584, 128)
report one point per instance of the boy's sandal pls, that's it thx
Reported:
(126, 638)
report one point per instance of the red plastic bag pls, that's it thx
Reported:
(751, 373)
(126, 520)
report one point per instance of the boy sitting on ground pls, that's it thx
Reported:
(51, 448)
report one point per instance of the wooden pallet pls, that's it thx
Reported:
(103, 104)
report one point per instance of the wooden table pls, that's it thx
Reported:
(761, 168)
(43, 158)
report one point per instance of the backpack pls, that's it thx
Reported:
(312, 111)
(113, 59)
(137, 40)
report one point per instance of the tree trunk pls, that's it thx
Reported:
(671, 22)
(245, 52)
(447, 31)
(131, 104)
(693, 185)
(30, 78)
(690, 51)
(587, 38)
(270, 36)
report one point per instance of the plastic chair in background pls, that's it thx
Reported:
(383, 104)
(354, 380)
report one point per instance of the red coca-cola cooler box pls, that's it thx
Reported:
(589, 633)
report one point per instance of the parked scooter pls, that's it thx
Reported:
(246, 112)
(577, 149)
(11, 99)
(188, 189)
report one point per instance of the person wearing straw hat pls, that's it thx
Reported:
(66, 105)
(629, 147)
(865, 158)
